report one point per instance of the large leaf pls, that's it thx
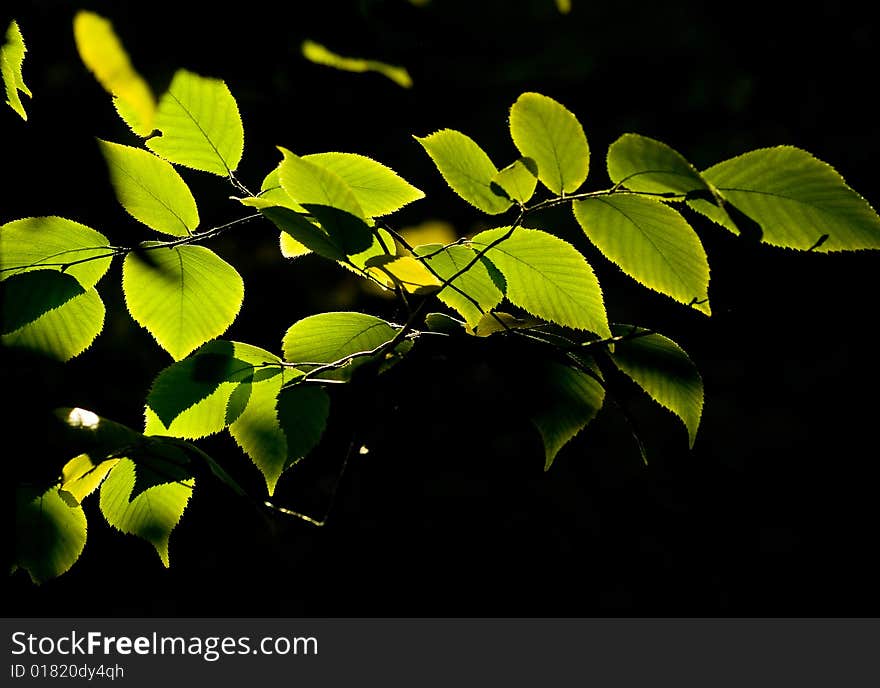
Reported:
(11, 61)
(50, 534)
(649, 166)
(466, 168)
(192, 398)
(30, 295)
(477, 282)
(150, 514)
(185, 295)
(330, 337)
(548, 133)
(200, 124)
(54, 243)
(102, 52)
(279, 427)
(150, 189)
(63, 332)
(317, 53)
(547, 277)
(378, 189)
(799, 201)
(650, 242)
(564, 401)
(662, 368)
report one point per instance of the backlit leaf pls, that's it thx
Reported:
(29, 295)
(518, 180)
(200, 124)
(49, 533)
(649, 166)
(314, 52)
(799, 201)
(188, 296)
(81, 476)
(662, 368)
(11, 61)
(548, 133)
(150, 189)
(300, 234)
(650, 242)
(150, 514)
(547, 277)
(63, 332)
(407, 272)
(102, 53)
(54, 243)
(466, 168)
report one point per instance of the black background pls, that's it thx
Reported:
(450, 514)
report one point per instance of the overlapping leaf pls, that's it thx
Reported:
(466, 168)
(150, 189)
(81, 476)
(518, 180)
(184, 296)
(650, 242)
(799, 201)
(30, 295)
(547, 277)
(11, 61)
(650, 166)
(548, 133)
(200, 124)
(317, 53)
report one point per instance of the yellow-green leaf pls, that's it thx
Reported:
(81, 476)
(317, 53)
(650, 166)
(518, 180)
(405, 271)
(11, 62)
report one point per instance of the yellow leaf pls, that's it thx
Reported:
(406, 271)
(317, 53)
(102, 52)
(429, 232)
(80, 476)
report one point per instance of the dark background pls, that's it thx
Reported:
(450, 514)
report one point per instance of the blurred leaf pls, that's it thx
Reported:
(314, 52)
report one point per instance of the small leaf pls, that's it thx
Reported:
(795, 198)
(30, 295)
(150, 189)
(477, 282)
(518, 180)
(466, 168)
(81, 476)
(152, 514)
(200, 124)
(64, 332)
(662, 368)
(102, 53)
(191, 398)
(649, 166)
(54, 243)
(564, 401)
(314, 52)
(49, 533)
(547, 277)
(551, 135)
(11, 61)
(302, 233)
(407, 272)
(188, 296)
(330, 337)
(651, 243)
(378, 189)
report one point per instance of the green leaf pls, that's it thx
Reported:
(382, 240)
(11, 61)
(103, 54)
(279, 427)
(330, 337)
(273, 196)
(551, 135)
(151, 514)
(64, 332)
(81, 476)
(54, 243)
(314, 52)
(662, 368)
(799, 201)
(200, 124)
(328, 198)
(564, 401)
(30, 295)
(651, 243)
(518, 180)
(378, 189)
(466, 168)
(547, 277)
(478, 283)
(192, 398)
(649, 166)
(187, 296)
(150, 189)
(305, 234)
(49, 533)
